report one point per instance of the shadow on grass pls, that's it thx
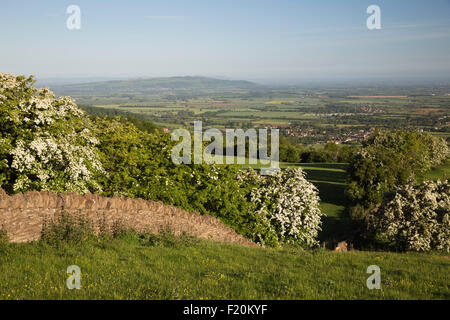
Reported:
(340, 166)
(337, 225)
(326, 176)
(332, 193)
(336, 228)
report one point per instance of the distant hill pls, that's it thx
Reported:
(171, 85)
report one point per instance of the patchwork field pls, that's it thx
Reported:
(256, 106)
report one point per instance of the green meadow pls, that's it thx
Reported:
(166, 267)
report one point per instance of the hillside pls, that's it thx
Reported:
(166, 267)
(170, 85)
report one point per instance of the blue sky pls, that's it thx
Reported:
(246, 39)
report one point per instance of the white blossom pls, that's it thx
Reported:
(416, 217)
(52, 147)
(290, 205)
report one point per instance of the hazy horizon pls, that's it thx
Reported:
(61, 81)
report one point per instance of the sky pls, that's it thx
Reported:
(287, 40)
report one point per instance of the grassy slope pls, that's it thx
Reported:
(129, 268)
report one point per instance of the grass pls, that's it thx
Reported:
(134, 267)
(441, 172)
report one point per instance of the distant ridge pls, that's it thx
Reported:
(184, 84)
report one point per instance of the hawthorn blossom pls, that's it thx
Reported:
(416, 217)
(48, 140)
(289, 206)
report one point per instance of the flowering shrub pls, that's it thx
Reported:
(287, 207)
(416, 217)
(390, 159)
(45, 143)
(437, 151)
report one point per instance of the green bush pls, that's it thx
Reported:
(138, 164)
(358, 212)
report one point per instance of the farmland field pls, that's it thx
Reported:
(293, 110)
